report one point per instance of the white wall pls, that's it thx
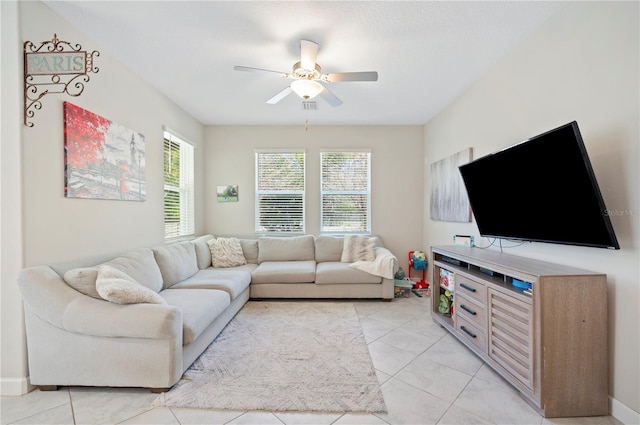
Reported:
(79, 226)
(396, 169)
(13, 369)
(582, 65)
(55, 228)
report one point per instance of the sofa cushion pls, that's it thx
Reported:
(328, 248)
(232, 282)
(338, 272)
(200, 307)
(284, 272)
(358, 248)
(177, 262)
(226, 252)
(250, 250)
(289, 248)
(118, 287)
(141, 265)
(249, 268)
(203, 253)
(83, 280)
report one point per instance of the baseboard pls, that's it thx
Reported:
(623, 413)
(15, 386)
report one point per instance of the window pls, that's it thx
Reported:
(345, 192)
(280, 191)
(178, 187)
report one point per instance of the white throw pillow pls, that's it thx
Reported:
(358, 248)
(118, 287)
(226, 252)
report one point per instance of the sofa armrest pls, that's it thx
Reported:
(49, 297)
(46, 294)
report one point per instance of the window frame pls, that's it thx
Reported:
(185, 188)
(366, 193)
(259, 228)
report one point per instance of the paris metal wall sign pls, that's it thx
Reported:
(54, 66)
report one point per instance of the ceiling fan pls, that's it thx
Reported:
(307, 77)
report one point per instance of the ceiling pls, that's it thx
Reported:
(426, 53)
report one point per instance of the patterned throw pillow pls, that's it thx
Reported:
(358, 248)
(120, 288)
(226, 252)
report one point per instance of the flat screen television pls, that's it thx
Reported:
(542, 190)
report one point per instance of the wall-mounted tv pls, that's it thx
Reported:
(542, 190)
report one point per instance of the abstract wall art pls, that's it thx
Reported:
(449, 201)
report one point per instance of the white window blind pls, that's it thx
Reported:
(346, 192)
(179, 215)
(280, 189)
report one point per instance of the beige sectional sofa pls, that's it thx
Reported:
(141, 319)
(74, 337)
(312, 267)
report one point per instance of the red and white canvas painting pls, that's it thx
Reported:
(103, 159)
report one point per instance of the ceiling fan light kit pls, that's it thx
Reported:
(308, 76)
(306, 89)
(312, 73)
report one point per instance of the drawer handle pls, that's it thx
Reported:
(468, 288)
(467, 309)
(468, 332)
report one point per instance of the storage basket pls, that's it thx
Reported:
(419, 264)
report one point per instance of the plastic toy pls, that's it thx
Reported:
(449, 297)
(421, 285)
(443, 304)
(418, 261)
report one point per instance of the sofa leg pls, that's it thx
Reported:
(48, 387)
(159, 390)
(387, 300)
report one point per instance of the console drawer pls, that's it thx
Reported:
(471, 288)
(472, 333)
(470, 310)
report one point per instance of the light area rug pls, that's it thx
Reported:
(284, 356)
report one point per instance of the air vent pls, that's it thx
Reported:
(309, 105)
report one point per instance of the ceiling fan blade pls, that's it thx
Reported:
(351, 76)
(248, 69)
(331, 98)
(308, 54)
(281, 95)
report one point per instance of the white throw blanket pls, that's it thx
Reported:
(384, 265)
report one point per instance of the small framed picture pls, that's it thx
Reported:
(228, 193)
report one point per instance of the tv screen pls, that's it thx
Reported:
(541, 190)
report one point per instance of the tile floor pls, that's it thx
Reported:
(426, 375)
